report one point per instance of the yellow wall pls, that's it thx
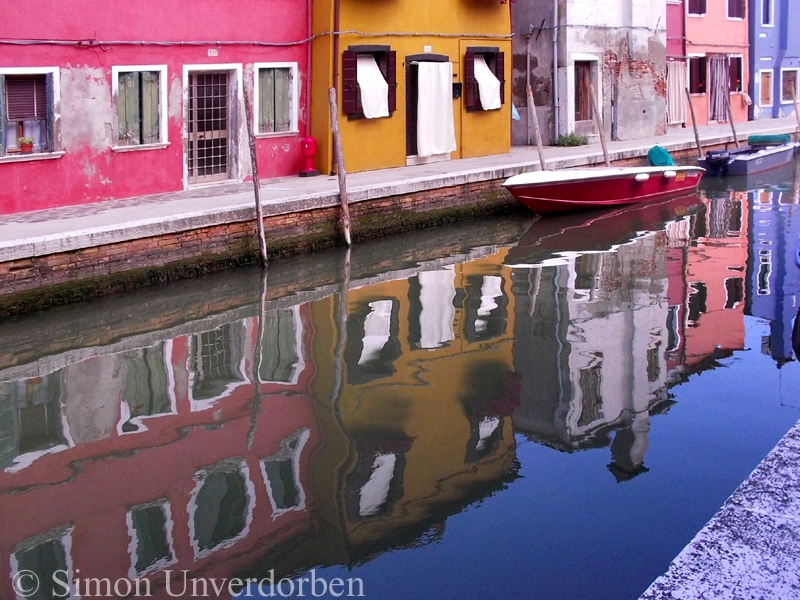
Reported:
(453, 25)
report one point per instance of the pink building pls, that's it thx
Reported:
(716, 43)
(122, 99)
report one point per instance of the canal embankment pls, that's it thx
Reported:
(66, 254)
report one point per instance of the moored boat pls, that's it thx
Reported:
(569, 190)
(762, 153)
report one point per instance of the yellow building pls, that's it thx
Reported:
(420, 419)
(416, 82)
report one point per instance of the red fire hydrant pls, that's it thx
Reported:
(308, 148)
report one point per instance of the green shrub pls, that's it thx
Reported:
(572, 139)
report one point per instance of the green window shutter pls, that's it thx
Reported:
(150, 108)
(266, 101)
(128, 109)
(3, 112)
(283, 103)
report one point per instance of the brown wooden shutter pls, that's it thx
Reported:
(391, 79)
(50, 96)
(26, 97)
(470, 83)
(500, 73)
(349, 83)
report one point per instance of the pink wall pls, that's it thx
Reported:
(715, 33)
(89, 170)
(675, 29)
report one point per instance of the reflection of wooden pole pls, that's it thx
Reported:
(337, 146)
(796, 108)
(262, 244)
(537, 134)
(694, 124)
(341, 326)
(599, 122)
(730, 117)
(257, 363)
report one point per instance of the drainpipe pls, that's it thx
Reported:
(555, 71)
(336, 17)
(308, 69)
(528, 75)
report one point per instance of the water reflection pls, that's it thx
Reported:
(349, 409)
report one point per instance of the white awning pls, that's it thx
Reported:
(488, 84)
(374, 89)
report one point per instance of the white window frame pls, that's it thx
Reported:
(796, 85)
(55, 73)
(294, 98)
(727, 11)
(163, 139)
(741, 71)
(771, 89)
(771, 13)
(695, 15)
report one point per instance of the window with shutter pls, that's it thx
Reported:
(736, 9)
(385, 58)
(789, 88)
(697, 74)
(495, 60)
(765, 95)
(696, 7)
(140, 96)
(26, 102)
(735, 69)
(276, 98)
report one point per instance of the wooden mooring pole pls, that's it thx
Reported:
(599, 123)
(262, 243)
(796, 109)
(694, 123)
(730, 118)
(537, 134)
(339, 157)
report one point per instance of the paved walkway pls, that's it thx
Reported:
(43, 232)
(751, 548)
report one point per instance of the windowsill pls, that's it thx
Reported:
(696, 15)
(19, 157)
(698, 94)
(159, 146)
(735, 18)
(276, 134)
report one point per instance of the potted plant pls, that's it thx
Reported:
(25, 144)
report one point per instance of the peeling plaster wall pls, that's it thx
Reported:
(626, 42)
(84, 165)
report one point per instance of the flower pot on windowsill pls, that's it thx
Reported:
(25, 145)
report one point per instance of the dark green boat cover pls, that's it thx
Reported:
(776, 139)
(659, 157)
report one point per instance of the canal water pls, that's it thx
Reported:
(502, 409)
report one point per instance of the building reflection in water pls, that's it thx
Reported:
(228, 435)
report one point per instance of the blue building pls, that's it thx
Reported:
(774, 52)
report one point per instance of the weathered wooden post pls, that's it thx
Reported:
(536, 133)
(694, 123)
(262, 243)
(599, 122)
(730, 117)
(339, 157)
(796, 109)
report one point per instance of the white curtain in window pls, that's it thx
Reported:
(676, 95)
(718, 70)
(488, 84)
(373, 87)
(436, 132)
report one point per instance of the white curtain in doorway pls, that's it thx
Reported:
(436, 132)
(676, 94)
(718, 70)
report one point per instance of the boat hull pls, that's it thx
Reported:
(749, 161)
(606, 189)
